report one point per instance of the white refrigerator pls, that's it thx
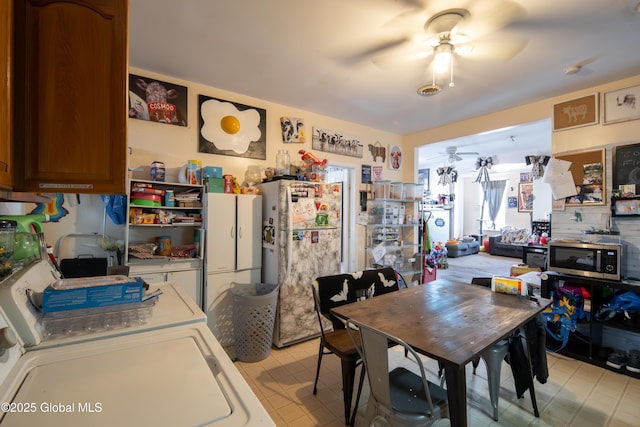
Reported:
(302, 224)
(233, 255)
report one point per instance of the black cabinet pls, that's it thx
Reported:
(593, 340)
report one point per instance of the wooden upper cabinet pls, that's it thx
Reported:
(6, 109)
(70, 96)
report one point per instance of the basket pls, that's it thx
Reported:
(254, 313)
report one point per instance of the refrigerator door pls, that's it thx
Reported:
(301, 241)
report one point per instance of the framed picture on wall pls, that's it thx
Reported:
(557, 205)
(576, 112)
(423, 178)
(620, 105)
(512, 202)
(525, 197)
(395, 157)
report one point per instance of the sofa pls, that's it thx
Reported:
(463, 247)
(509, 242)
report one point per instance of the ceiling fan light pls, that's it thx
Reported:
(442, 58)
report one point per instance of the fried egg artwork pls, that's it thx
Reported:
(231, 129)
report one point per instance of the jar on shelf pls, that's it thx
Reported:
(283, 164)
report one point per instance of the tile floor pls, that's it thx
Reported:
(576, 393)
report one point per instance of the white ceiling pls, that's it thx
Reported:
(311, 54)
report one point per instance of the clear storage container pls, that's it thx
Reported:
(413, 191)
(396, 190)
(381, 189)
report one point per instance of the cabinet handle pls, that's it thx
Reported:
(232, 233)
(240, 232)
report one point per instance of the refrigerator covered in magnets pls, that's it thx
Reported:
(301, 239)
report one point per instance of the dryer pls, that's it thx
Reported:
(169, 371)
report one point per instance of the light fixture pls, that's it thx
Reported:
(442, 57)
(443, 28)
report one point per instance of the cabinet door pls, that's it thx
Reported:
(221, 232)
(190, 281)
(6, 83)
(249, 223)
(70, 95)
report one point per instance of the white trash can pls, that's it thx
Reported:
(254, 314)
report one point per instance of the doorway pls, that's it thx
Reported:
(346, 175)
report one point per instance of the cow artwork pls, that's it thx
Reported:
(157, 101)
(334, 142)
(395, 157)
(292, 129)
(376, 151)
(576, 112)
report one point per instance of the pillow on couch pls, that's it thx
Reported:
(519, 236)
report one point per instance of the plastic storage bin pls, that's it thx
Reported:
(413, 191)
(381, 189)
(254, 314)
(396, 190)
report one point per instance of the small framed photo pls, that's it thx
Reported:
(620, 105)
(512, 202)
(525, 177)
(558, 205)
(576, 112)
(292, 130)
(525, 197)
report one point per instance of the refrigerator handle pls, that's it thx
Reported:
(287, 236)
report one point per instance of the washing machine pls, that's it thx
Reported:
(167, 370)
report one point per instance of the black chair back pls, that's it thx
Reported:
(341, 289)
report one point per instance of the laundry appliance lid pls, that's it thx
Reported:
(172, 376)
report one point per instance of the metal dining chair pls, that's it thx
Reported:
(398, 397)
(493, 358)
(333, 291)
(339, 342)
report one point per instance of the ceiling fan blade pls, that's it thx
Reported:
(389, 48)
(490, 16)
(468, 153)
(492, 50)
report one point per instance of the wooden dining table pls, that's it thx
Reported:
(448, 321)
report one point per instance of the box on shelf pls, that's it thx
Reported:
(212, 172)
(215, 185)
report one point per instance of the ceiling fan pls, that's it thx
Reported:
(466, 31)
(453, 155)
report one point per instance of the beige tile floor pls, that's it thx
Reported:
(576, 393)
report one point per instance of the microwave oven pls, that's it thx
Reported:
(597, 260)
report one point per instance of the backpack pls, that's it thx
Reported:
(561, 317)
